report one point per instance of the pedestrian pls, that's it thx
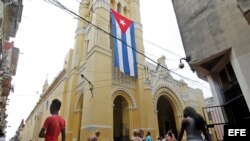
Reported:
(170, 136)
(95, 138)
(136, 137)
(141, 134)
(54, 124)
(194, 124)
(159, 139)
(148, 137)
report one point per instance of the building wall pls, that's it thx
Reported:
(212, 26)
(209, 28)
(86, 110)
(10, 17)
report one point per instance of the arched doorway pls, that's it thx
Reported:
(166, 117)
(120, 119)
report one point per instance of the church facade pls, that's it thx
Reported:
(95, 95)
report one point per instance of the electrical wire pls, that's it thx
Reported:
(59, 5)
(150, 42)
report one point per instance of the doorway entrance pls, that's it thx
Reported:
(166, 118)
(121, 119)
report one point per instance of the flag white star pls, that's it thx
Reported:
(122, 22)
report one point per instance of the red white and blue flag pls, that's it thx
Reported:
(124, 44)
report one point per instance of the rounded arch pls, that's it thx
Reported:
(126, 94)
(167, 92)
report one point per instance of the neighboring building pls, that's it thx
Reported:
(209, 102)
(10, 17)
(216, 40)
(117, 103)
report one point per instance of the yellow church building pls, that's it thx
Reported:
(113, 102)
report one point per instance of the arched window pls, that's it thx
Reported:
(112, 2)
(119, 8)
(125, 12)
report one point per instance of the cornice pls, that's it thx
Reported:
(101, 4)
(99, 49)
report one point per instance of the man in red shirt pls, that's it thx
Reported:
(54, 124)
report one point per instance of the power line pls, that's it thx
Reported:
(73, 90)
(150, 42)
(59, 5)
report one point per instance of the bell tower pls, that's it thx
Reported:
(112, 105)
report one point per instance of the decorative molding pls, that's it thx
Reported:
(85, 3)
(138, 26)
(121, 79)
(80, 31)
(80, 87)
(99, 49)
(164, 90)
(97, 36)
(101, 4)
(87, 31)
(163, 85)
(83, 30)
(127, 95)
(185, 97)
(77, 101)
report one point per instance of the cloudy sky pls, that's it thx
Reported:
(46, 33)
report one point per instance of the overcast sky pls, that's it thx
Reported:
(46, 33)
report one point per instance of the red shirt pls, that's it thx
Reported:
(53, 126)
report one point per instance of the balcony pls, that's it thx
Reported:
(12, 14)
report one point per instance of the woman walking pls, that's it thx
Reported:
(194, 125)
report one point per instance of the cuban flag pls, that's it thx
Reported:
(124, 44)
